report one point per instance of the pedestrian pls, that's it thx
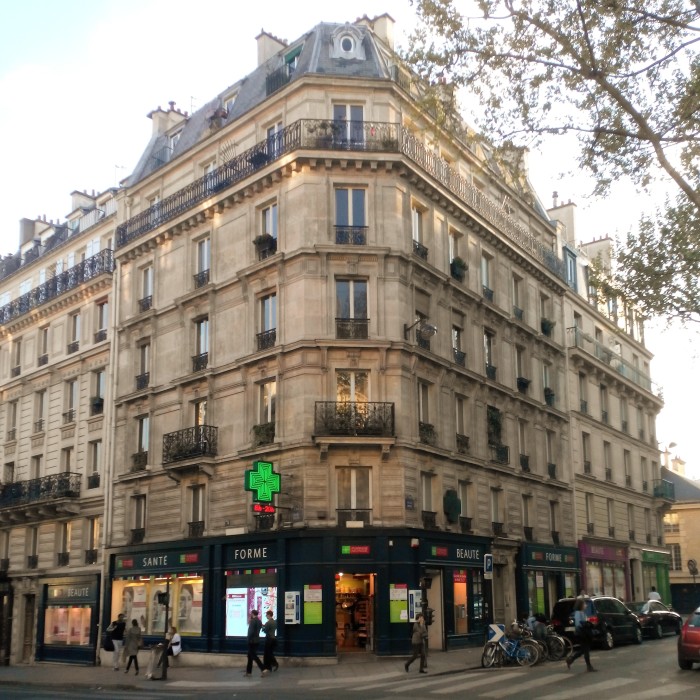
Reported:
(582, 631)
(418, 639)
(174, 643)
(116, 631)
(254, 627)
(653, 594)
(132, 644)
(270, 629)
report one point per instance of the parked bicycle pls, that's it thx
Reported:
(507, 650)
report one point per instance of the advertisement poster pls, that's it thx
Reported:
(398, 602)
(313, 604)
(189, 615)
(239, 603)
(292, 612)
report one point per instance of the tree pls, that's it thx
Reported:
(624, 76)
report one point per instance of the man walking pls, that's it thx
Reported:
(270, 629)
(420, 634)
(116, 630)
(254, 627)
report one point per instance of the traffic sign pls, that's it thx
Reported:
(488, 566)
(496, 632)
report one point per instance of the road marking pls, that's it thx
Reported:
(588, 690)
(662, 690)
(481, 679)
(527, 685)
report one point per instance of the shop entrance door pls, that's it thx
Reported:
(354, 612)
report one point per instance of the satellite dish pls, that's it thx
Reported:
(693, 567)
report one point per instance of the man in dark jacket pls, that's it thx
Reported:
(116, 630)
(254, 627)
(270, 629)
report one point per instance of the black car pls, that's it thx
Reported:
(611, 620)
(656, 618)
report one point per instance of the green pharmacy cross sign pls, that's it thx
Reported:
(263, 481)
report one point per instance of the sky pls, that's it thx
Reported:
(78, 77)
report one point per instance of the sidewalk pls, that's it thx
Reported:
(349, 665)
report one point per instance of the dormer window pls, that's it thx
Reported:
(346, 42)
(229, 102)
(174, 138)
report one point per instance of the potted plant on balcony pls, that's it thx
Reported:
(457, 268)
(265, 243)
(549, 396)
(547, 326)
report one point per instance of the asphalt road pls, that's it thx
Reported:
(630, 672)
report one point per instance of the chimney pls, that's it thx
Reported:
(382, 26)
(555, 199)
(268, 46)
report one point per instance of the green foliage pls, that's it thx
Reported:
(623, 76)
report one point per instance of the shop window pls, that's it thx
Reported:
(246, 592)
(67, 625)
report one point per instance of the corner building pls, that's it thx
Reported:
(311, 271)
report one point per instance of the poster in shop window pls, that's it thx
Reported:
(398, 602)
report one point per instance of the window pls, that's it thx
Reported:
(197, 502)
(496, 516)
(604, 403)
(102, 311)
(203, 254)
(426, 482)
(352, 385)
(570, 260)
(554, 516)
(32, 541)
(16, 356)
(546, 375)
(607, 459)
(349, 123)
(627, 459)
(350, 217)
(590, 509)
(269, 221)
(611, 515)
(354, 495)
(95, 455)
(74, 322)
(423, 404)
(67, 458)
(417, 223)
(267, 337)
(518, 302)
(173, 139)
(268, 401)
(624, 425)
(142, 424)
(199, 408)
(520, 365)
(583, 392)
(274, 136)
(457, 353)
(489, 340)
(8, 472)
(146, 300)
(586, 450)
(676, 559)
(39, 411)
(465, 495)
(550, 443)
(98, 383)
(12, 413)
(65, 531)
(144, 358)
(71, 401)
(486, 276)
(351, 299)
(43, 345)
(526, 507)
(201, 356)
(522, 439)
(138, 511)
(229, 102)
(630, 519)
(92, 527)
(645, 473)
(36, 467)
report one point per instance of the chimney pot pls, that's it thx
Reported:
(172, 105)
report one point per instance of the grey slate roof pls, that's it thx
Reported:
(685, 489)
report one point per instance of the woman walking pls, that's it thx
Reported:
(582, 630)
(132, 644)
(420, 634)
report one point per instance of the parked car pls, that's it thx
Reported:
(656, 618)
(611, 620)
(689, 642)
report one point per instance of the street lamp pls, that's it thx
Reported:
(425, 330)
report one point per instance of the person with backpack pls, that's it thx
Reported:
(582, 630)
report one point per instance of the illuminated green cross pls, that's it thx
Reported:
(262, 480)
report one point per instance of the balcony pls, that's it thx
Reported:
(62, 558)
(69, 416)
(352, 328)
(522, 384)
(604, 417)
(278, 79)
(645, 486)
(142, 380)
(462, 442)
(353, 517)
(137, 535)
(32, 561)
(139, 461)
(611, 531)
(145, 303)
(460, 357)
(500, 454)
(429, 519)
(628, 480)
(587, 468)
(590, 528)
(97, 405)
(497, 529)
(465, 524)
(593, 349)
(351, 235)
(547, 326)
(420, 250)
(72, 347)
(427, 433)
(555, 536)
(487, 293)
(42, 360)
(525, 463)
(91, 556)
(264, 521)
(421, 341)
(42, 490)
(623, 426)
(664, 489)
(263, 434)
(190, 443)
(490, 372)
(39, 426)
(201, 279)
(196, 529)
(552, 470)
(200, 362)
(101, 335)
(354, 418)
(528, 533)
(266, 339)
(16, 371)
(608, 474)
(102, 263)
(265, 246)
(631, 535)
(458, 269)
(549, 396)
(584, 406)
(518, 313)
(11, 434)
(93, 480)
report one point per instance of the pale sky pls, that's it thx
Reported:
(78, 77)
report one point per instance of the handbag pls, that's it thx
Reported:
(107, 643)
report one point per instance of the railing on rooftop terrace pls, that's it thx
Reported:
(345, 136)
(84, 271)
(577, 338)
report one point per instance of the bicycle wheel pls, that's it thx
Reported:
(527, 654)
(568, 646)
(555, 648)
(488, 657)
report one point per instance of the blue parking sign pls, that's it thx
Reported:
(488, 566)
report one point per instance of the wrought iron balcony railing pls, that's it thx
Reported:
(91, 556)
(69, 416)
(487, 293)
(62, 558)
(590, 528)
(427, 433)
(460, 357)
(137, 535)
(12, 434)
(555, 536)
(594, 348)
(500, 454)
(142, 380)
(429, 519)
(201, 279)
(552, 470)
(528, 532)
(200, 362)
(351, 235)
(608, 474)
(265, 245)
(518, 313)
(16, 371)
(664, 489)
(101, 335)
(196, 529)
(611, 531)
(462, 444)
(263, 434)
(525, 462)
(102, 263)
(523, 384)
(145, 303)
(264, 521)
(604, 417)
(491, 371)
(645, 485)
(353, 418)
(632, 534)
(267, 339)
(198, 441)
(353, 515)
(420, 250)
(352, 328)
(39, 425)
(32, 561)
(587, 467)
(497, 529)
(42, 359)
(628, 480)
(97, 405)
(465, 524)
(93, 480)
(72, 347)
(584, 406)
(45, 488)
(139, 461)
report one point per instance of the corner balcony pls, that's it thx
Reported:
(40, 499)
(191, 449)
(354, 418)
(664, 489)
